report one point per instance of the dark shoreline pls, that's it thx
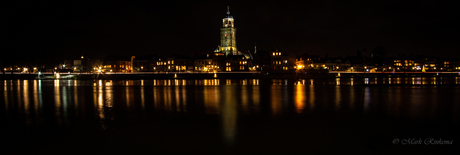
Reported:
(226, 76)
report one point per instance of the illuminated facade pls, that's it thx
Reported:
(227, 35)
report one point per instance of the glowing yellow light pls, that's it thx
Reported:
(110, 70)
(175, 75)
(215, 75)
(82, 56)
(58, 76)
(99, 70)
(338, 74)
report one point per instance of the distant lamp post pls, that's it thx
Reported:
(82, 57)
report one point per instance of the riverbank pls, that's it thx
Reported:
(221, 75)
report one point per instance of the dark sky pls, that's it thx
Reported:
(60, 30)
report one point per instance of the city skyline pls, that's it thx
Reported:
(55, 31)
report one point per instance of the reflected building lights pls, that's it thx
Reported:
(352, 97)
(184, 99)
(167, 98)
(338, 98)
(255, 81)
(256, 96)
(156, 100)
(299, 98)
(142, 95)
(367, 100)
(177, 95)
(35, 93)
(337, 81)
(100, 106)
(19, 94)
(57, 101)
(211, 99)
(312, 97)
(276, 99)
(366, 80)
(75, 95)
(228, 82)
(244, 98)
(26, 97)
(5, 93)
(40, 100)
(64, 104)
(229, 116)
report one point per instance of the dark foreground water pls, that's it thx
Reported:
(229, 116)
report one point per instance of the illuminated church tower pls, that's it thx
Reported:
(227, 35)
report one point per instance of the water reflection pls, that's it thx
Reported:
(299, 98)
(61, 102)
(57, 101)
(276, 99)
(5, 94)
(229, 115)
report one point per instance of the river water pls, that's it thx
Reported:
(219, 116)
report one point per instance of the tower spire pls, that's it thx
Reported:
(228, 10)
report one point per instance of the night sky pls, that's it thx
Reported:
(50, 31)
